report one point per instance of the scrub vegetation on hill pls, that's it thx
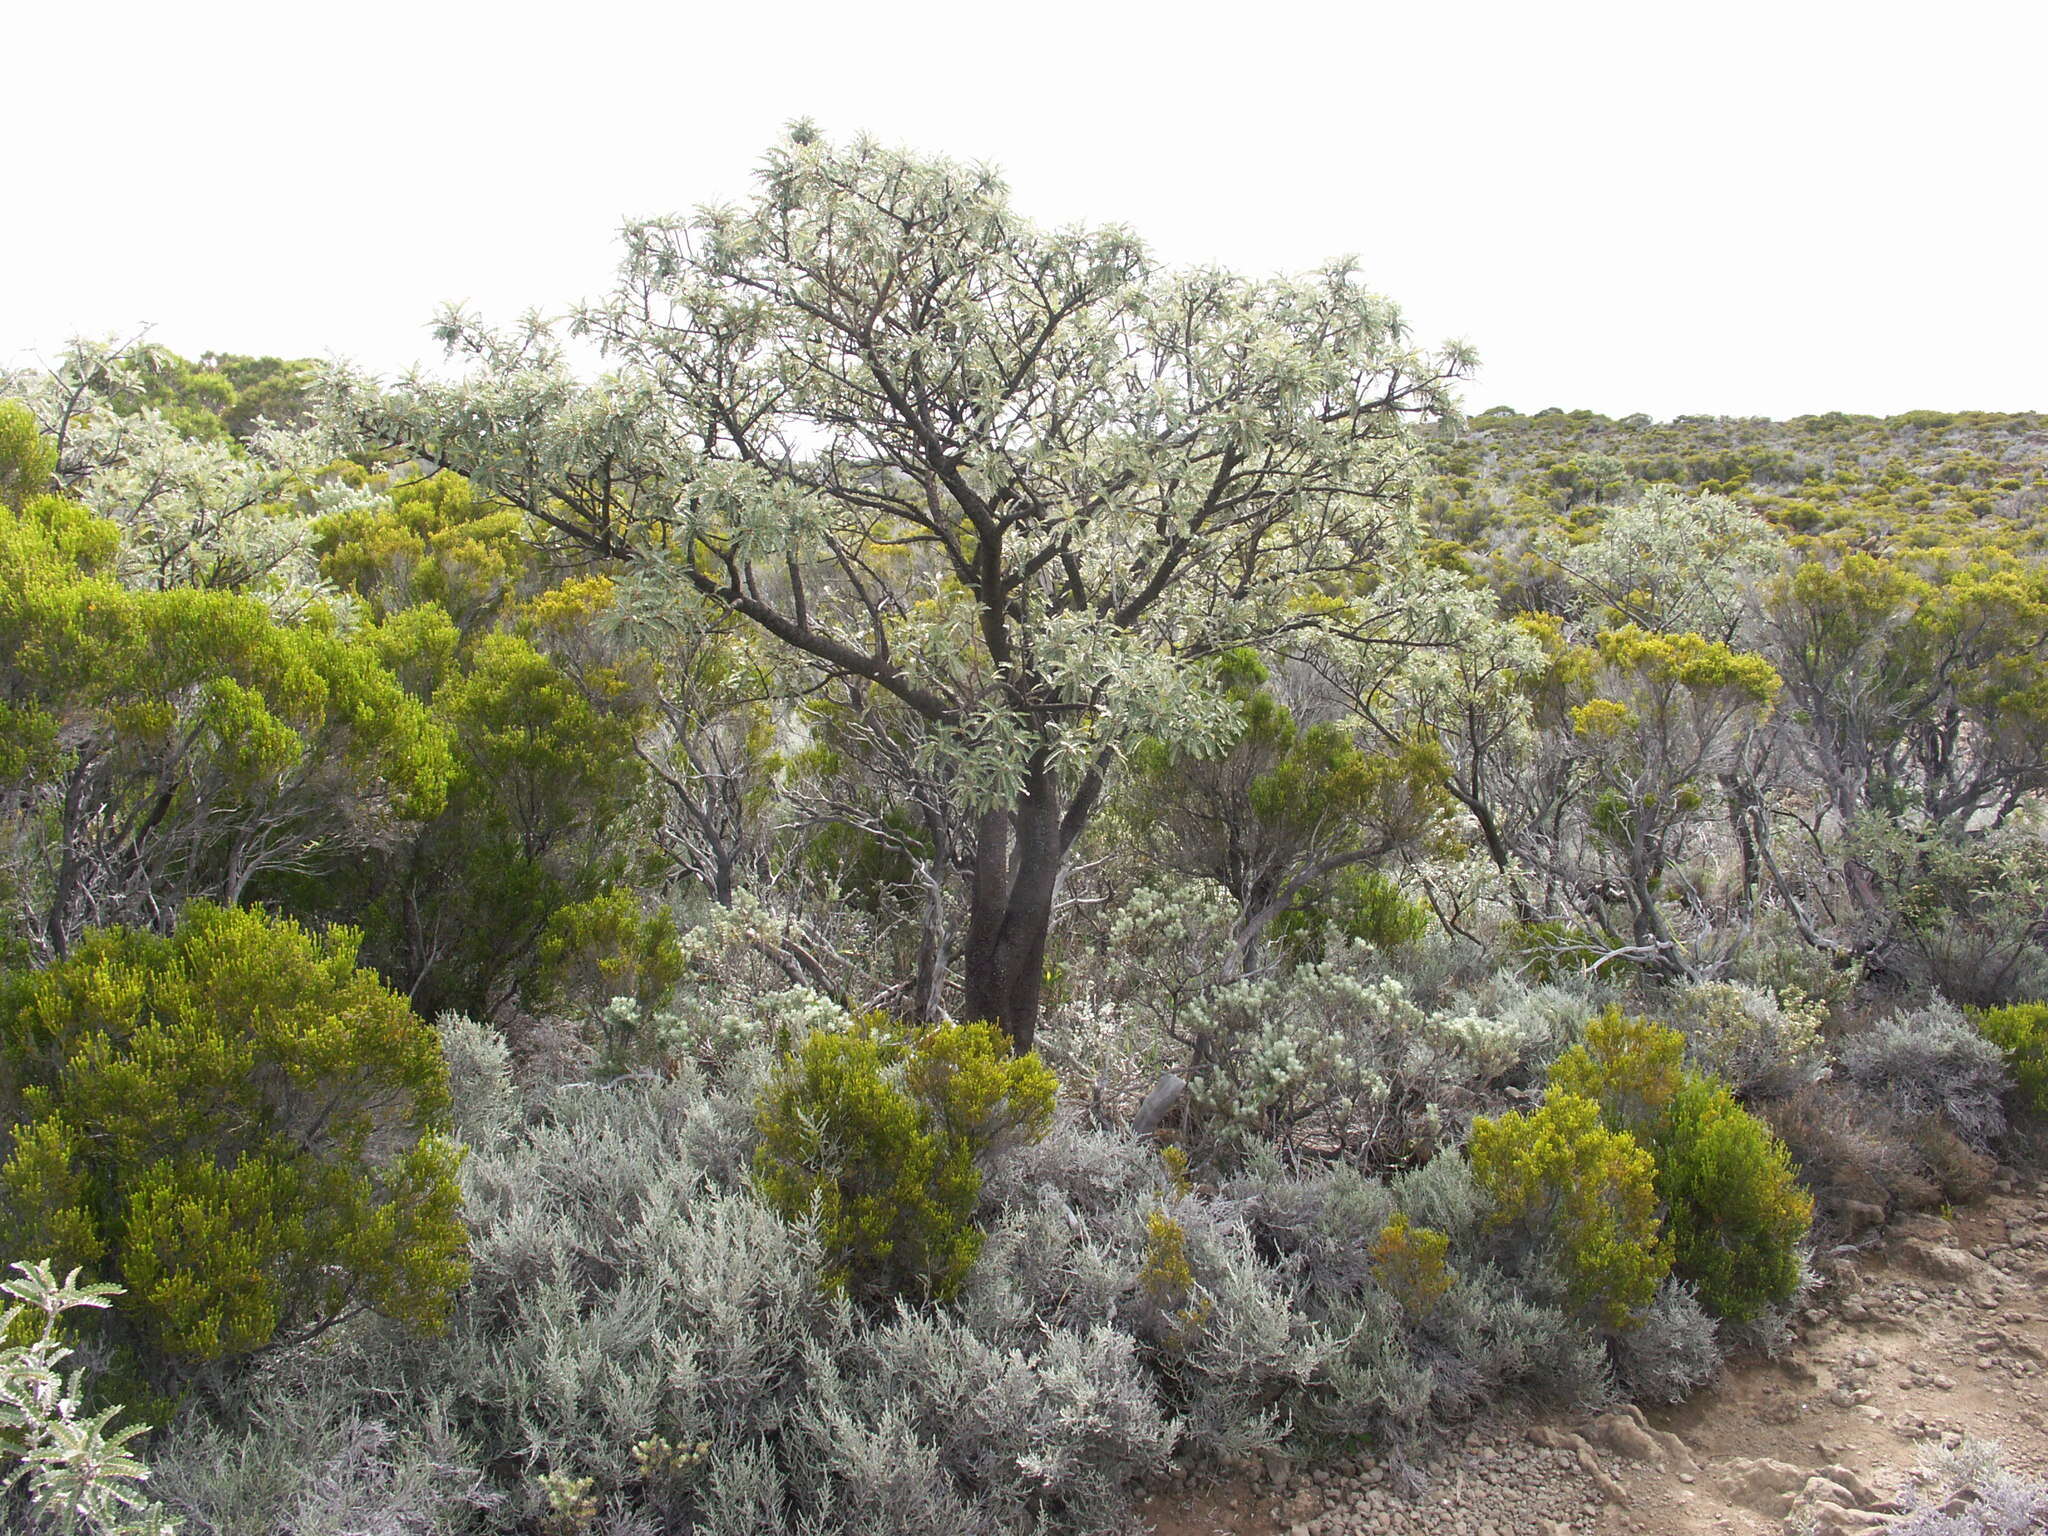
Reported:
(981, 870)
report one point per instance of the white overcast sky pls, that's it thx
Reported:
(1723, 208)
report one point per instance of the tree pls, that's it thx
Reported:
(196, 508)
(161, 746)
(1667, 714)
(1016, 480)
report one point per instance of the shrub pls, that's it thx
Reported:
(236, 1123)
(1673, 1350)
(1737, 1213)
(2021, 1031)
(881, 1133)
(1969, 1491)
(1582, 1194)
(1408, 1262)
(1734, 1211)
(67, 1467)
(1929, 1064)
(1749, 1039)
(1631, 1068)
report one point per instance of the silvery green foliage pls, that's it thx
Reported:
(627, 1284)
(1442, 1194)
(1929, 1063)
(1388, 1369)
(1322, 1222)
(485, 1102)
(1235, 1350)
(1542, 1019)
(65, 1471)
(323, 1465)
(729, 999)
(1750, 1038)
(191, 514)
(1674, 563)
(1164, 461)
(1056, 1427)
(1970, 1492)
(1673, 1349)
(1335, 1057)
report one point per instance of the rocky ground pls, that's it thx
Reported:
(1934, 1332)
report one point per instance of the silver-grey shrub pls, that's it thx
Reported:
(1928, 1063)
(1673, 1350)
(1969, 1491)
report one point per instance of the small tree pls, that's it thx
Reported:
(1014, 480)
(236, 1123)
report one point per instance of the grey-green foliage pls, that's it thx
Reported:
(1748, 1037)
(485, 1102)
(1928, 1063)
(628, 1285)
(1969, 1491)
(1385, 1366)
(1673, 1350)
(61, 1469)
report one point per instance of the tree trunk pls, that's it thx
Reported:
(1017, 861)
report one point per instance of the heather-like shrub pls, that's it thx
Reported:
(1929, 1064)
(1408, 1262)
(1673, 1350)
(1750, 1039)
(880, 1136)
(2021, 1031)
(1581, 1195)
(1736, 1212)
(1630, 1067)
(237, 1124)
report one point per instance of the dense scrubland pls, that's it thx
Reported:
(984, 870)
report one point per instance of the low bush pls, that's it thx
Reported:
(880, 1136)
(1580, 1194)
(237, 1125)
(1674, 1349)
(1969, 1491)
(1750, 1039)
(1928, 1064)
(1737, 1215)
(1734, 1211)
(1631, 1067)
(2021, 1032)
(1409, 1263)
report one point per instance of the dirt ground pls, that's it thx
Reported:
(1935, 1332)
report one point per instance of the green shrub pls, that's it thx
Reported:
(1733, 1208)
(236, 1124)
(1356, 903)
(1584, 1194)
(1409, 1262)
(1736, 1211)
(1631, 1068)
(2021, 1031)
(884, 1133)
